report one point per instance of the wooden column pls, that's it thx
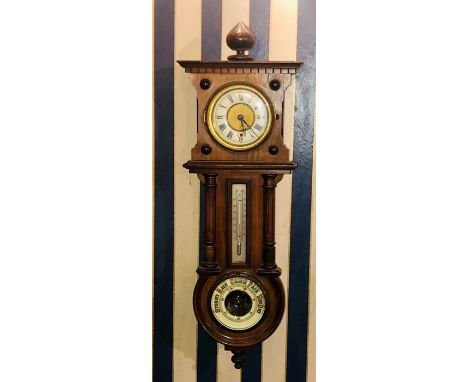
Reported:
(269, 267)
(209, 264)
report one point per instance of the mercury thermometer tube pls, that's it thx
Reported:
(239, 223)
(240, 212)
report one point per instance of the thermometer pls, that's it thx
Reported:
(238, 223)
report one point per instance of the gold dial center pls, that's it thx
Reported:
(240, 117)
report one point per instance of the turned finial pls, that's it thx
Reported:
(238, 359)
(240, 39)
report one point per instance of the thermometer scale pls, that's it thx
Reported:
(238, 223)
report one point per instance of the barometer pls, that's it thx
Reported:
(238, 302)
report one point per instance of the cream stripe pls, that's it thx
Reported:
(225, 368)
(233, 11)
(283, 33)
(186, 192)
(311, 343)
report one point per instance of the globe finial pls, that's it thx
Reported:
(240, 39)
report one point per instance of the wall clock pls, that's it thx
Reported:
(239, 157)
(239, 117)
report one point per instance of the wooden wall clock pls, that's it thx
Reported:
(240, 156)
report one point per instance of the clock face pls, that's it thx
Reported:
(239, 117)
(238, 303)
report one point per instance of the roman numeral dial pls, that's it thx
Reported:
(239, 117)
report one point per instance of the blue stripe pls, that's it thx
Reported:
(207, 348)
(211, 29)
(164, 189)
(206, 357)
(260, 25)
(252, 369)
(301, 197)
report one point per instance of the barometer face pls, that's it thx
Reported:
(239, 117)
(238, 303)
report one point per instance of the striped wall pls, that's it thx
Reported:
(196, 29)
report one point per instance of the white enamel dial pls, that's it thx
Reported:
(238, 303)
(239, 117)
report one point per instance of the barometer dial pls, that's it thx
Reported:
(238, 303)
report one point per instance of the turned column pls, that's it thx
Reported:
(269, 267)
(209, 263)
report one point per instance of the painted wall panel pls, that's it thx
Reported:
(282, 46)
(187, 45)
(163, 188)
(299, 264)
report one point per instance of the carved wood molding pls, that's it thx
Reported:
(240, 67)
(280, 168)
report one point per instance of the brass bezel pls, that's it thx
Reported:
(210, 120)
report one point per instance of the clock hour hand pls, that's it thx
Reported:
(240, 117)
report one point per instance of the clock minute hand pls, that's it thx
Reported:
(243, 122)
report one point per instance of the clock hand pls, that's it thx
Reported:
(240, 117)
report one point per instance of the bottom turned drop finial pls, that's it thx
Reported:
(238, 359)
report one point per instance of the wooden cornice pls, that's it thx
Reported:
(240, 66)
